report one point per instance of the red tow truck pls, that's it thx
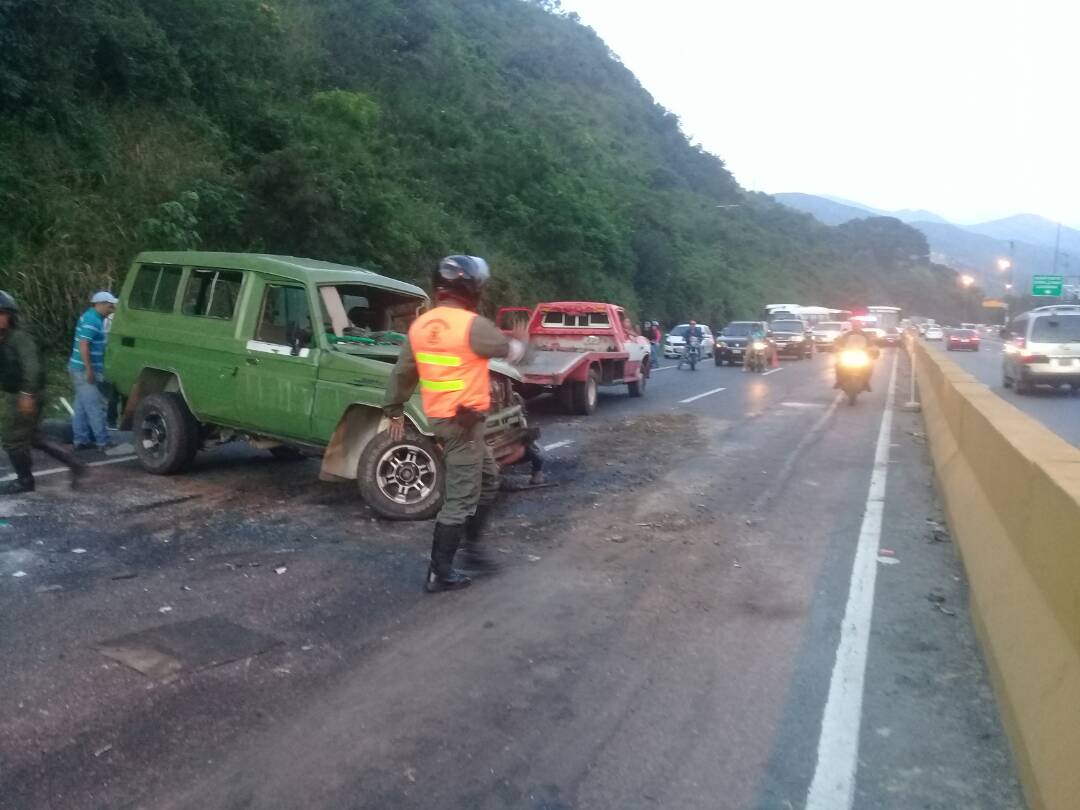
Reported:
(577, 346)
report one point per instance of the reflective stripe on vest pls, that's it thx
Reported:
(451, 374)
(442, 385)
(438, 359)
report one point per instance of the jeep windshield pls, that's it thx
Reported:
(361, 319)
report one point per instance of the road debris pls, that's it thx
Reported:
(938, 601)
(165, 609)
(281, 569)
(19, 574)
(125, 575)
(103, 750)
(48, 588)
(5, 523)
(938, 533)
(617, 538)
(532, 558)
(78, 551)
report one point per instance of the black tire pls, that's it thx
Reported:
(165, 435)
(1006, 381)
(411, 489)
(285, 453)
(636, 388)
(586, 393)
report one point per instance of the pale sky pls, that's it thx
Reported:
(968, 108)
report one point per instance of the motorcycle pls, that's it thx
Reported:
(756, 358)
(853, 367)
(692, 353)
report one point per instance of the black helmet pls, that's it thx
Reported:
(7, 303)
(463, 276)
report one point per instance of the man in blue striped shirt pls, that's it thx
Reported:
(87, 369)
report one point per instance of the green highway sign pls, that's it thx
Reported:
(1047, 285)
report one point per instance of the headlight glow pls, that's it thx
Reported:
(758, 346)
(854, 358)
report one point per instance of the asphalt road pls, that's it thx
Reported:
(1058, 409)
(666, 632)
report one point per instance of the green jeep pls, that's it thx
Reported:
(293, 356)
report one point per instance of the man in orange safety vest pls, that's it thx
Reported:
(446, 354)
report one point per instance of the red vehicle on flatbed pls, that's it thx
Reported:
(577, 346)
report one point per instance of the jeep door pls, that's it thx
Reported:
(276, 390)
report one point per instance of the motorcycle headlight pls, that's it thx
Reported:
(853, 358)
(758, 346)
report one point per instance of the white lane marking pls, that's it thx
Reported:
(699, 396)
(58, 470)
(662, 368)
(773, 371)
(557, 445)
(833, 786)
(804, 404)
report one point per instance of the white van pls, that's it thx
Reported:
(1042, 347)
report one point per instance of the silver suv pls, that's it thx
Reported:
(1043, 347)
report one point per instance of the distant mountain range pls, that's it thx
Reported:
(971, 248)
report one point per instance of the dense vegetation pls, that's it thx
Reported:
(386, 133)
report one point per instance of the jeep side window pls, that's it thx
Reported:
(155, 287)
(285, 317)
(213, 293)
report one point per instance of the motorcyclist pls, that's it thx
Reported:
(757, 335)
(855, 339)
(694, 331)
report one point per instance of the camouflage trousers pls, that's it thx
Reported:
(20, 432)
(472, 474)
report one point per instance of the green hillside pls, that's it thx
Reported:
(387, 133)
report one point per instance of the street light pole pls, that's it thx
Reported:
(967, 280)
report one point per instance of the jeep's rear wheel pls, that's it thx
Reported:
(166, 435)
(401, 480)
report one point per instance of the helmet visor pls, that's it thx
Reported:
(472, 268)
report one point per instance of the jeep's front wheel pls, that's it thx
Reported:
(401, 480)
(166, 435)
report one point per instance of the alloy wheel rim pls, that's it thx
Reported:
(406, 474)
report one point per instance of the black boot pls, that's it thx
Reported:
(24, 476)
(66, 457)
(475, 557)
(441, 575)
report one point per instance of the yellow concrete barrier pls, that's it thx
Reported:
(1012, 497)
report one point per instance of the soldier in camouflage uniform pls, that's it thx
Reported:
(22, 380)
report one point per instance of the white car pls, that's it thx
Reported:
(1043, 347)
(825, 332)
(934, 333)
(675, 341)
